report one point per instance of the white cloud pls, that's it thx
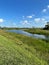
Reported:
(23, 16)
(1, 20)
(25, 22)
(47, 6)
(37, 19)
(41, 20)
(29, 16)
(44, 10)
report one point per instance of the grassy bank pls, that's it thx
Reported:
(16, 49)
(37, 31)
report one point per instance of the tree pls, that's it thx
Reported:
(47, 26)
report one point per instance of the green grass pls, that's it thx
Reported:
(16, 49)
(37, 31)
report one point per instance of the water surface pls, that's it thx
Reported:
(29, 34)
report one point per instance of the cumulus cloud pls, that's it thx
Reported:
(1, 20)
(29, 16)
(44, 10)
(37, 19)
(42, 20)
(23, 16)
(47, 6)
(25, 22)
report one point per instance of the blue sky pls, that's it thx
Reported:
(24, 13)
